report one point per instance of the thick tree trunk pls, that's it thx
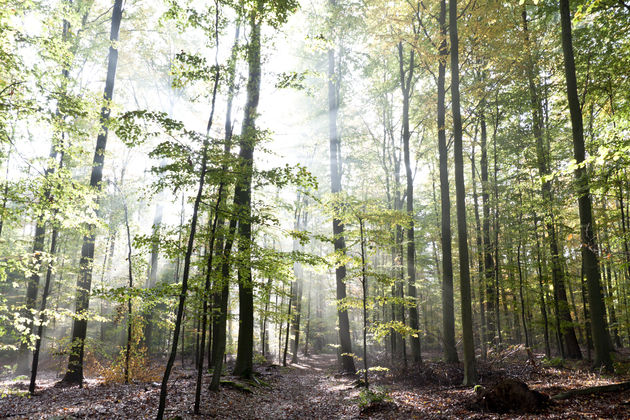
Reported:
(74, 373)
(345, 350)
(601, 339)
(470, 374)
(243, 199)
(448, 310)
(571, 346)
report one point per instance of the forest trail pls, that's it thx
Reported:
(310, 389)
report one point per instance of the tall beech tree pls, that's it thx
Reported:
(334, 84)
(243, 198)
(74, 371)
(601, 339)
(470, 373)
(406, 80)
(448, 307)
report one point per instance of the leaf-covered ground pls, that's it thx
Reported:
(313, 390)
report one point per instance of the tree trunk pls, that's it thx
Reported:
(222, 291)
(601, 339)
(541, 290)
(243, 199)
(490, 290)
(480, 253)
(205, 295)
(152, 278)
(74, 373)
(448, 310)
(470, 374)
(345, 350)
(406, 80)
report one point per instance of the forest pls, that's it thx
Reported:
(322, 209)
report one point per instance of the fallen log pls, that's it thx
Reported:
(592, 390)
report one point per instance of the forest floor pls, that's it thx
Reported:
(312, 389)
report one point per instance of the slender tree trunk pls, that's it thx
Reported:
(184, 289)
(587, 317)
(307, 333)
(448, 310)
(129, 308)
(265, 323)
(5, 191)
(286, 336)
(480, 253)
(490, 290)
(601, 339)
(42, 309)
(406, 80)
(213, 230)
(300, 224)
(74, 373)
(364, 285)
(152, 278)
(470, 374)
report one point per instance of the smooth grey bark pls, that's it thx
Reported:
(448, 306)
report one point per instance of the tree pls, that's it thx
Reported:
(601, 339)
(334, 80)
(470, 374)
(448, 311)
(406, 79)
(74, 372)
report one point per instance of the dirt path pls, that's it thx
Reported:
(307, 390)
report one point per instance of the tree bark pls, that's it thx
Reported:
(345, 351)
(74, 373)
(599, 331)
(406, 80)
(242, 202)
(448, 310)
(470, 374)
